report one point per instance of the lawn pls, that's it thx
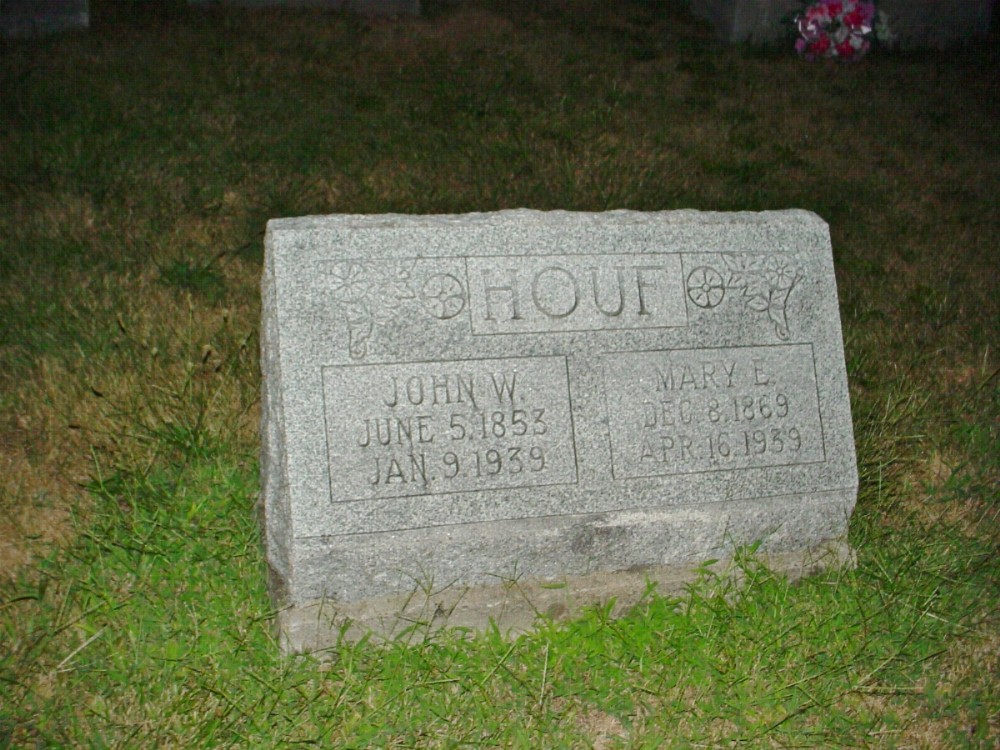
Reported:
(139, 163)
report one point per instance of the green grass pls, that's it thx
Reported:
(157, 615)
(140, 164)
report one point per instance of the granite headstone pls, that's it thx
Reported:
(31, 18)
(912, 23)
(361, 7)
(491, 416)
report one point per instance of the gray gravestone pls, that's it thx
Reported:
(363, 7)
(913, 23)
(494, 415)
(29, 18)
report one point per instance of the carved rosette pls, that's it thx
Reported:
(443, 296)
(371, 295)
(765, 282)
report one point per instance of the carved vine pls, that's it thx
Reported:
(765, 282)
(371, 295)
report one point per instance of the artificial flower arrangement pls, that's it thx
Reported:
(841, 29)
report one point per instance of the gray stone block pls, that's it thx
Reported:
(363, 7)
(747, 20)
(937, 23)
(457, 405)
(30, 18)
(914, 23)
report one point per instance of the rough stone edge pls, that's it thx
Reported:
(510, 216)
(516, 607)
(273, 503)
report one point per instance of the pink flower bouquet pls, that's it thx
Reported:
(836, 28)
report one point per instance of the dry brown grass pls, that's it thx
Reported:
(935, 722)
(36, 494)
(169, 357)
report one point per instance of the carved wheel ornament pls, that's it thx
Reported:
(706, 287)
(443, 296)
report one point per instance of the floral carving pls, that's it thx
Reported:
(764, 281)
(371, 295)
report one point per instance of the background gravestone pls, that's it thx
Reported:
(365, 7)
(453, 405)
(27, 18)
(914, 23)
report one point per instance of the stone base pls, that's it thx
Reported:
(409, 582)
(516, 606)
(914, 23)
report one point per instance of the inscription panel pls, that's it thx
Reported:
(699, 410)
(548, 293)
(452, 426)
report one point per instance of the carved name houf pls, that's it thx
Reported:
(552, 293)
